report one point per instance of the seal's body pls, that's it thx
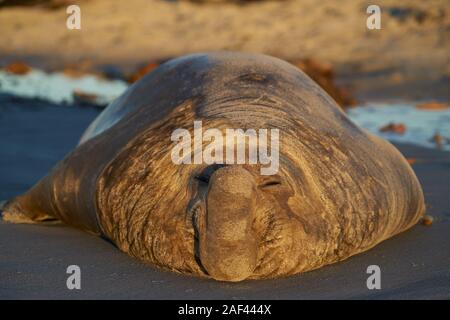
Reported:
(339, 190)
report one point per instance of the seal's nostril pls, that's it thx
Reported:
(203, 178)
(206, 174)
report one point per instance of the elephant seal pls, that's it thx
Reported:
(339, 191)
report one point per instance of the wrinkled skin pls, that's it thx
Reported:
(339, 190)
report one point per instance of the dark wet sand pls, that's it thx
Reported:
(34, 258)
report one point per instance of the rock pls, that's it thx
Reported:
(432, 105)
(323, 73)
(397, 128)
(142, 71)
(439, 140)
(427, 220)
(19, 68)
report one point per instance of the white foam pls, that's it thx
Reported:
(421, 125)
(58, 88)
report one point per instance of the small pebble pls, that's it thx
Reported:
(397, 128)
(433, 105)
(18, 68)
(427, 220)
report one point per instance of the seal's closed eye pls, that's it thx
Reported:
(270, 182)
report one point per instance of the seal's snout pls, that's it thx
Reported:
(227, 240)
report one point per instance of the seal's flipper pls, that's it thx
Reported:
(65, 194)
(25, 209)
(13, 214)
